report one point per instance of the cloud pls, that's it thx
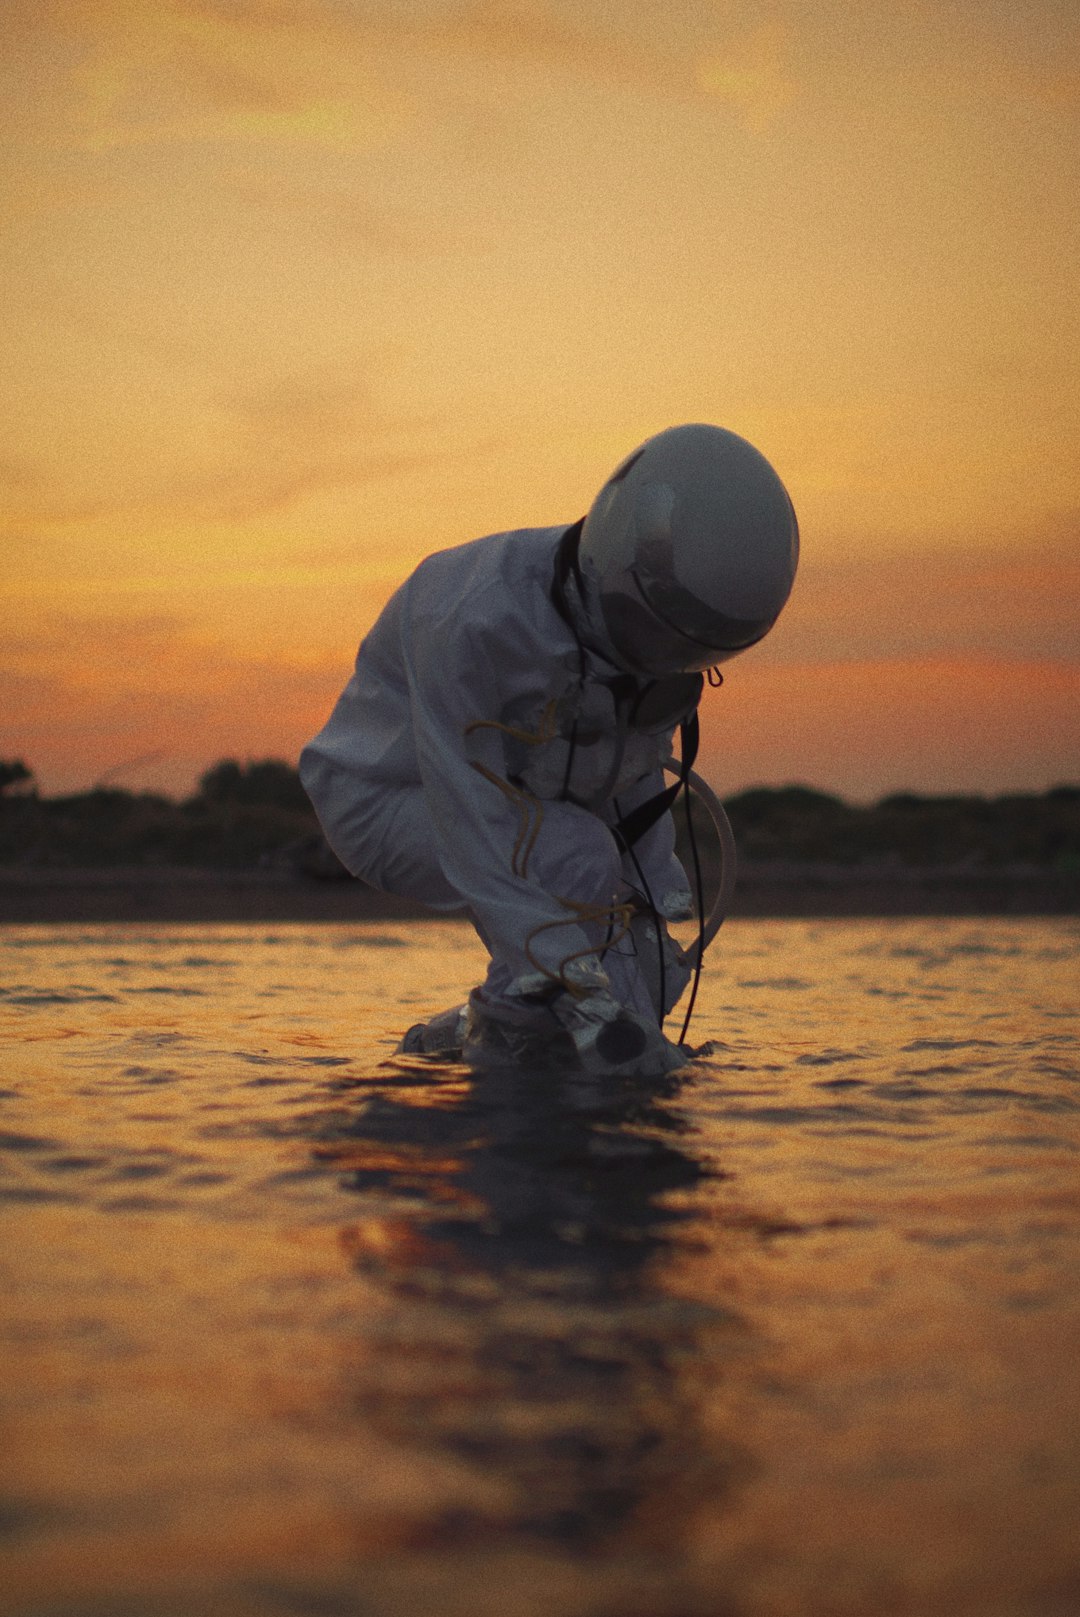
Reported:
(157, 71)
(105, 638)
(30, 498)
(535, 35)
(342, 215)
(1003, 52)
(17, 476)
(271, 443)
(752, 73)
(307, 72)
(747, 69)
(290, 437)
(33, 496)
(173, 699)
(339, 77)
(1018, 600)
(871, 726)
(26, 696)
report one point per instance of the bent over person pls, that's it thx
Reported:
(499, 751)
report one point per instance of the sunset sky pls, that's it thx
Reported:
(296, 292)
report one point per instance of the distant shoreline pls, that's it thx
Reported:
(52, 894)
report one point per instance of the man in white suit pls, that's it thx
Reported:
(499, 750)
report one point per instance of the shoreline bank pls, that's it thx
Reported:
(180, 894)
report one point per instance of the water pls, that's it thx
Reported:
(295, 1326)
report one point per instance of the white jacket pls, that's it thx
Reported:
(470, 678)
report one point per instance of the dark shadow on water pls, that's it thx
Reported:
(523, 1223)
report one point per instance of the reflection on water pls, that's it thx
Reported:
(537, 1240)
(294, 1325)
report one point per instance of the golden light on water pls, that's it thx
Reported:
(290, 1320)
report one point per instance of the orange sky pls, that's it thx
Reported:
(298, 291)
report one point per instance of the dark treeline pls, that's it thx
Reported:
(252, 815)
(797, 823)
(242, 816)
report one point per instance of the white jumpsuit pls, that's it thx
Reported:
(478, 757)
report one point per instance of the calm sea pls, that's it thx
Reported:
(292, 1325)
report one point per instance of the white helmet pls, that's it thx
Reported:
(692, 546)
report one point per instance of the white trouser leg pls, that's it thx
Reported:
(382, 834)
(385, 836)
(575, 857)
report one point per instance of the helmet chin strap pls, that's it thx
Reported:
(566, 567)
(573, 601)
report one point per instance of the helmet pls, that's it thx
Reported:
(691, 546)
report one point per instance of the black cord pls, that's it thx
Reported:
(700, 893)
(571, 748)
(657, 923)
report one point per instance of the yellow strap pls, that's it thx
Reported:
(546, 731)
(617, 914)
(524, 802)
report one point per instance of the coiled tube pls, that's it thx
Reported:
(710, 924)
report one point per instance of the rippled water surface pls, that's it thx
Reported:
(293, 1325)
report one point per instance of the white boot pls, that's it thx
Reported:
(608, 1038)
(443, 1035)
(593, 1034)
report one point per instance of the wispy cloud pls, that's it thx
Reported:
(538, 35)
(274, 442)
(181, 70)
(305, 72)
(876, 725)
(995, 52)
(345, 216)
(29, 496)
(753, 73)
(1015, 601)
(747, 69)
(142, 689)
(858, 727)
(292, 436)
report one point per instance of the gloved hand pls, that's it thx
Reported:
(677, 904)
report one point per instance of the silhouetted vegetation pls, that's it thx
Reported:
(267, 784)
(13, 772)
(256, 814)
(243, 816)
(796, 823)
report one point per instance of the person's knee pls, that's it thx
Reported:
(371, 826)
(335, 799)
